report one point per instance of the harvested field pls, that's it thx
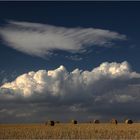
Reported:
(70, 131)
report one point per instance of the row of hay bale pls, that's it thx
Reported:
(128, 121)
(52, 123)
(113, 121)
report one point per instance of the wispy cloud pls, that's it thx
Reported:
(39, 39)
(74, 57)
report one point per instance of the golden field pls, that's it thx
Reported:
(70, 131)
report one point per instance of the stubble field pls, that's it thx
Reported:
(70, 131)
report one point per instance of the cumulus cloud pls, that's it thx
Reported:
(59, 81)
(102, 90)
(41, 39)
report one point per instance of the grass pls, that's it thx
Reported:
(70, 131)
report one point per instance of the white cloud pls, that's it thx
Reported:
(74, 58)
(103, 90)
(23, 115)
(39, 39)
(77, 108)
(60, 82)
(10, 112)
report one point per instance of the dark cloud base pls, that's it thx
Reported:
(108, 91)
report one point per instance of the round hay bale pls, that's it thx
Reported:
(51, 123)
(96, 121)
(128, 121)
(73, 121)
(114, 121)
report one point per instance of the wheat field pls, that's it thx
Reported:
(70, 131)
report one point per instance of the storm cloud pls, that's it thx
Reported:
(111, 89)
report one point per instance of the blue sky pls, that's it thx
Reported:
(121, 17)
(78, 35)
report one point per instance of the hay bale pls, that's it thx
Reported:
(51, 123)
(114, 121)
(73, 121)
(128, 121)
(96, 121)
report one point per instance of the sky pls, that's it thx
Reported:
(69, 60)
